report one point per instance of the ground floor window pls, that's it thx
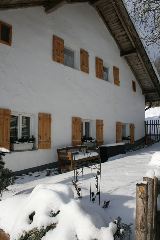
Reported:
(20, 127)
(86, 129)
(125, 132)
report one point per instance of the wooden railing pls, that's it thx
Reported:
(152, 129)
(147, 225)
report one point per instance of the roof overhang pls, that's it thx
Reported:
(116, 18)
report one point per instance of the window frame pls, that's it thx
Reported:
(71, 49)
(90, 127)
(19, 127)
(133, 84)
(10, 33)
(106, 66)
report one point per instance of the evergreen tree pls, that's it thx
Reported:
(6, 175)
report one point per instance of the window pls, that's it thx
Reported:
(5, 33)
(20, 127)
(125, 132)
(68, 57)
(86, 128)
(105, 73)
(134, 86)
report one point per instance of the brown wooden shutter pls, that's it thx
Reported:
(84, 61)
(99, 132)
(116, 75)
(58, 49)
(44, 131)
(118, 132)
(76, 131)
(132, 133)
(99, 68)
(5, 115)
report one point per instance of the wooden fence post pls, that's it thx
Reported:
(150, 183)
(141, 211)
(155, 208)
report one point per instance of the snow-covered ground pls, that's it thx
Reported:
(80, 216)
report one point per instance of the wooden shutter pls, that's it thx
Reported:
(44, 131)
(132, 133)
(99, 68)
(84, 61)
(116, 75)
(58, 49)
(118, 132)
(76, 131)
(99, 132)
(5, 115)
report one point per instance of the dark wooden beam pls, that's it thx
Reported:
(22, 5)
(75, 1)
(53, 6)
(92, 2)
(127, 53)
(106, 24)
(149, 91)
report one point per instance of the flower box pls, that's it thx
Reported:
(21, 146)
(89, 144)
(126, 141)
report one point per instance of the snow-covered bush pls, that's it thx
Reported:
(6, 175)
(51, 212)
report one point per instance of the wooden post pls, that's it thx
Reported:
(150, 183)
(141, 211)
(155, 208)
(3, 235)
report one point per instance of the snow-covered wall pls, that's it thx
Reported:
(31, 82)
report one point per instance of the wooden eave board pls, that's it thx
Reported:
(125, 42)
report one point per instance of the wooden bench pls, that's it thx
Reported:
(75, 154)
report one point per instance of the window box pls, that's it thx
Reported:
(89, 144)
(21, 146)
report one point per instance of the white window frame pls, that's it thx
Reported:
(127, 130)
(69, 48)
(107, 66)
(20, 115)
(76, 51)
(90, 127)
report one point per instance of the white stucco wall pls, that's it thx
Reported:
(31, 82)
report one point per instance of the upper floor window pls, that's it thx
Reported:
(105, 73)
(5, 33)
(134, 86)
(68, 57)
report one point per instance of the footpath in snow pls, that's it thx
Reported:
(80, 216)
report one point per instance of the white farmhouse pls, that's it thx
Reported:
(69, 70)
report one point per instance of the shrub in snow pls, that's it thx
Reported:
(6, 175)
(50, 212)
(123, 230)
